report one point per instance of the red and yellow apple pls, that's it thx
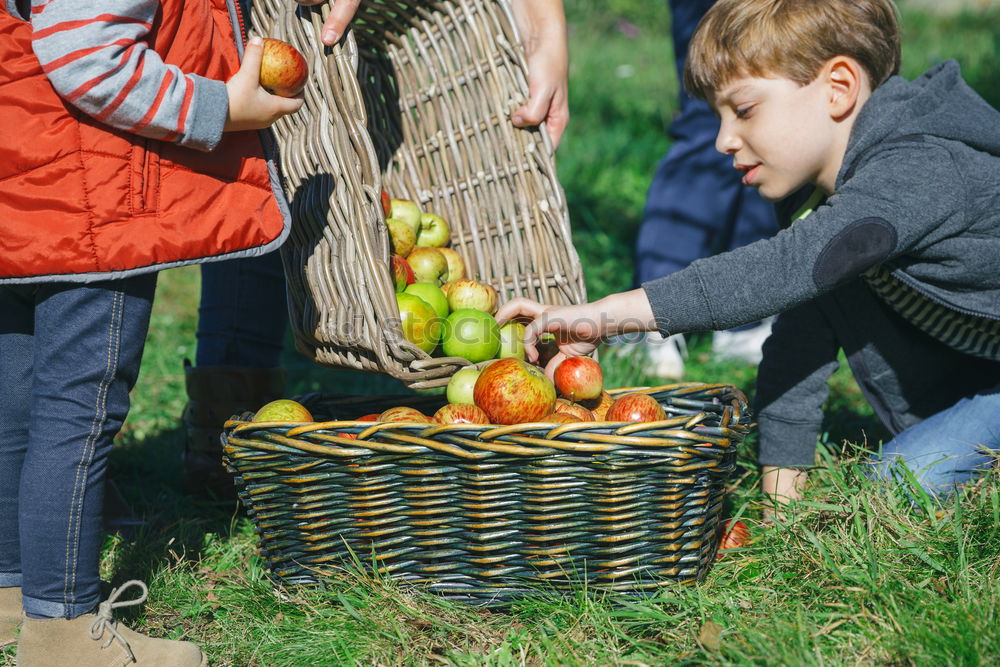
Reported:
(456, 265)
(512, 391)
(283, 410)
(635, 408)
(386, 204)
(599, 406)
(429, 266)
(421, 325)
(404, 414)
(574, 410)
(579, 378)
(732, 535)
(560, 418)
(283, 70)
(470, 334)
(402, 274)
(461, 385)
(461, 413)
(471, 294)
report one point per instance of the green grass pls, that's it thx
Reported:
(856, 576)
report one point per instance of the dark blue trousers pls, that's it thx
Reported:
(696, 205)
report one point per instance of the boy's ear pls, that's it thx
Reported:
(846, 80)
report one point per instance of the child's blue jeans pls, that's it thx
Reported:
(69, 354)
(948, 449)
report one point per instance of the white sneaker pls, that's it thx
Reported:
(742, 345)
(666, 355)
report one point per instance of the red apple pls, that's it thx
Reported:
(461, 413)
(283, 410)
(407, 211)
(559, 418)
(373, 417)
(434, 232)
(461, 385)
(471, 294)
(512, 391)
(456, 265)
(283, 70)
(402, 273)
(421, 325)
(599, 406)
(574, 410)
(404, 414)
(732, 535)
(579, 378)
(635, 407)
(429, 266)
(401, 237)
(386, 204)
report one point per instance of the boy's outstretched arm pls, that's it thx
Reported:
(579, 329)
(96, 57)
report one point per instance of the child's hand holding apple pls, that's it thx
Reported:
(251, 106)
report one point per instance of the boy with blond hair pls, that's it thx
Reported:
(889, 195)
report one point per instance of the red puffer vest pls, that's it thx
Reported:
(82, 201)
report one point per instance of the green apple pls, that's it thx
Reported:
(434, 232)
(471, 334)
(407, 211)
(402, 236)
(433, 295)
(512, 341)
(461, 384)
(429, 265)
(419, 322)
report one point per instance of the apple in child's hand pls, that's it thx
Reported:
(386, 204)
(456, 265)
(283, 410)
(429, 266)
(433, 295)
(461, 385)
(404, 414)
(512, 392)
(470, 294)
(401, 236)
(407, 211)
(470, 334)
(419, 322)
(461, 413)
(512, 341)
(283, 70)
(635, 408)
(579, 378)
(434, 231)
(402, 274)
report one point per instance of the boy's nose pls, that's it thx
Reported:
(726, 142)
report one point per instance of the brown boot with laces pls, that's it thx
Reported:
(97, 640)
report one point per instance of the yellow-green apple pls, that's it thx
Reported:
(461, 384)
(429, 265)
(434, 232)
(579, 378)
(574, 410)
(599, 406)
(461, 413)
(471, 294)
(433, 295)
(421, 325)
(456, 265)
(404, 414)
(283, 410)
(471, 334)
(512, 340)
(402, 274)
(386, 204)
(407, 211)
(401, 237)
(283, 70)
(511, 391)
(635, 407)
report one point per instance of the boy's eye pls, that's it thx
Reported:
(743, 112)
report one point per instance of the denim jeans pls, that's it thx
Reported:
(69, 355)
(948, 449)
(243, 315)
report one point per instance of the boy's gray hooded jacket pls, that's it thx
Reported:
(919, 194)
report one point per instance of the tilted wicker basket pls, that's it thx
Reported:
(415, 99)
(489, 514)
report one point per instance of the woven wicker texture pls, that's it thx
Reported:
(489, 514)
(415, 99)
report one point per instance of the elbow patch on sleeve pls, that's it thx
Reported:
(861, 245)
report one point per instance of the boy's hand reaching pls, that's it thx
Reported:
(579, 329)
(250, 106)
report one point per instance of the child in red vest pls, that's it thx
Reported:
(127, 145)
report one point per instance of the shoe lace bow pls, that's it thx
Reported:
(105, 621)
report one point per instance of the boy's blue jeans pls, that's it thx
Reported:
(69, 355)
(948, 449)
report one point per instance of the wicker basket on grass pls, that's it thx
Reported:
(489, 514)
(415, 99)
